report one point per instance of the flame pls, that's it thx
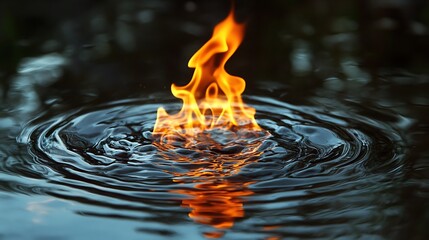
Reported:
(212, 99)
(218, 131)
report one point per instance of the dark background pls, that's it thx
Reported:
(132, 45)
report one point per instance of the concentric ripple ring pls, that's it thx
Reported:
(316, 166)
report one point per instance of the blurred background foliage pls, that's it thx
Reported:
(123, 48)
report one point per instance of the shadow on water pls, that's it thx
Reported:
(341, 89)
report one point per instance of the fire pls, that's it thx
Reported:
(212, 99)
(218, 131)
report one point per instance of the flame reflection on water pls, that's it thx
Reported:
(215, 198)
(318, 170)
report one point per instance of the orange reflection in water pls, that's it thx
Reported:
(217, 204)
(215, 200)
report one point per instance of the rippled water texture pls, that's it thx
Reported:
(323, 169)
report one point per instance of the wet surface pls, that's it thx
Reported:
(317, 171)
(340, 93)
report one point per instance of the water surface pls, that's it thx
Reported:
(340, 90)
(321, 169)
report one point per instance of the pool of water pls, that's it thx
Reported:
(325, 168)
(342, 152)
(314, 171)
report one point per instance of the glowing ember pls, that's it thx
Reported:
(212, 99)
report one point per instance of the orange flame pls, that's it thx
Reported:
(212, 99)
(211, 102)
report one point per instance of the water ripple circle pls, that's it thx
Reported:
(317, 166)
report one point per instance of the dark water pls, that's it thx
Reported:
(340, 89)
(324, 170)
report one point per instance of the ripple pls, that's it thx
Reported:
(325, 165)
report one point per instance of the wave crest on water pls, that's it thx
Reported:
(332, 162)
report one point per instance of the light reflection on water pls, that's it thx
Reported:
(329, 168)
(348, 157)
(320, 174)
